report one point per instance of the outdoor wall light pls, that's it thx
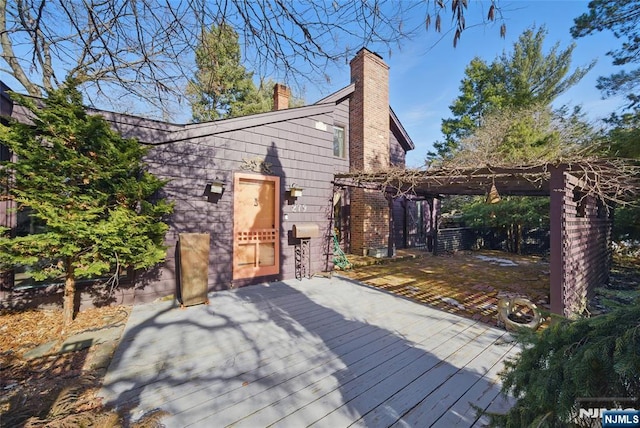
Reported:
(294, 191)
(217, 186)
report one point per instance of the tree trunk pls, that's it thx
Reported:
(519, 238)
(68, 306)
(514, 238)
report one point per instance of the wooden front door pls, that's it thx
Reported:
(256, 226)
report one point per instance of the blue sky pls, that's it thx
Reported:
(425, 76)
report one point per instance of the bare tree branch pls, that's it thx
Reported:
(9, 56)
(616, 181)
(516, 150)
(143, 49)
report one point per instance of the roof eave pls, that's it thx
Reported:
(338, 96)
(244, 122)
(405, 141)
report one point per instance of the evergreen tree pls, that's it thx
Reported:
(622, 17)
(523, 78)
(521, 136)
(482, 91)
(511, 217)
(257, 100)
(222, 87)
(623, 140)
(592, 357)
(87, 187)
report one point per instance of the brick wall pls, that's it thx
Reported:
(369, 148)
(281, 96)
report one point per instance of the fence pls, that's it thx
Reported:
(534, 241)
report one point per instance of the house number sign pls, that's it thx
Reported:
(299, 208)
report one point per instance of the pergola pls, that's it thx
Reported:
(582, 196)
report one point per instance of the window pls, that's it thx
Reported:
(338, 141)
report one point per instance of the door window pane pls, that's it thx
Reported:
(267, 254)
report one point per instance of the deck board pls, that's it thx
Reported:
(481, 394)
(424, 399)
(322, 351)
(366, 369)
(390, 394)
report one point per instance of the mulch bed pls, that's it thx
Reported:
(56, 390)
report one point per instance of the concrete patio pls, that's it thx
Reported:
(319, 352)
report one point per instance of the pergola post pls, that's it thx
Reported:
(434, 222)
(557, 190)
(390, 240)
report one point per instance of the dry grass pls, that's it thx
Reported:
(465, 283)
(470, 283)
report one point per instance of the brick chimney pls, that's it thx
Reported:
(369, 112)
(281, 96)
(369, 148)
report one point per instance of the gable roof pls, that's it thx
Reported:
(155, 132)
(405, 140)
(158, 133)
(394, 123)
(339, 95)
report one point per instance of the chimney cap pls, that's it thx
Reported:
(364, 50)
(281, 87)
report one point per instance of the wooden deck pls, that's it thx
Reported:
(319, 352)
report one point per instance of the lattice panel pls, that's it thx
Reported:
(585, 251)
(256, 235)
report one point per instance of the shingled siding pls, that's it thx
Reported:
(587, 250)
(396, 152)
(298, 151)
(296, 143)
